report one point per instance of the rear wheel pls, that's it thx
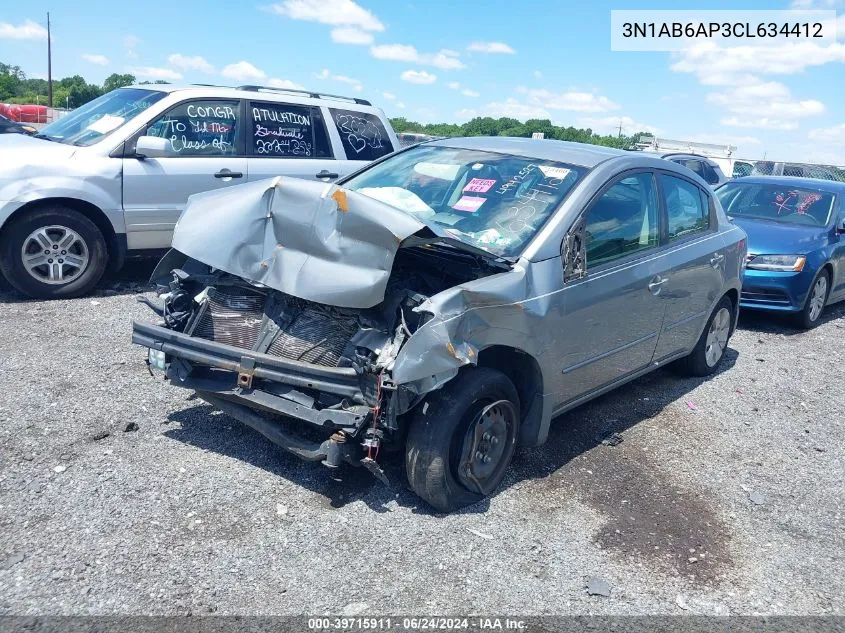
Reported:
(53, 253)
(462, 438)
(809, 317)
(711, 346)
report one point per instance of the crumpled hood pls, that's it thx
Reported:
(309, 239)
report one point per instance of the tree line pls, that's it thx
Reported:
(70, 92)
(506, 126)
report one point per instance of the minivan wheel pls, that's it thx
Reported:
(809, 316)
(53, 253)
(461, 439)
(711, 346)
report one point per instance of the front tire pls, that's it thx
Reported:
(710, 349)
(53, 253)
(462, 438)
(810, 315)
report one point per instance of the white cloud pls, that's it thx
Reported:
(715, 65)
(610, 124)
(454, 85)
(537, 74)
(418, 77)
(191, 63)
(150, 72)
(491, 47)
(355, 83)
(400, 105)
(444, 59)
(284, 83)
(466, 114)
(333, 12)
(765, 105)
(469, 93)
(513, 108)
(130, 43)
(100, 60)
(389, 96)
(834, 134)
(815, 4)
(243, 71)
(351, 35)
(29, 30)
(571, 100)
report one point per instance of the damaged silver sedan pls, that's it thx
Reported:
(448, 300)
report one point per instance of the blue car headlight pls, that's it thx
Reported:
(783, 263)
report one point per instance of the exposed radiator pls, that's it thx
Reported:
(312, 333)
(233, 317)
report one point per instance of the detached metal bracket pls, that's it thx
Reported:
(246, 371)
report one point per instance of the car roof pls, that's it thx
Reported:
(581, 154)
(829, 186)
(267, 93)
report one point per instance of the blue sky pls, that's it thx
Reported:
(439, 60)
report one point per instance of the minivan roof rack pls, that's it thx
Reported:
(310, 93)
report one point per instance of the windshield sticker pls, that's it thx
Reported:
(105, 124)
(808, 202)
(550, 171)
(479, 185)
(469, 204)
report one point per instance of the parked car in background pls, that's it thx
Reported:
(449, 299)
(706, 168)
(112, 177)
(7, 126)
(795, 226)
(406, 139)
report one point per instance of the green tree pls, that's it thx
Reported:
(116, 80)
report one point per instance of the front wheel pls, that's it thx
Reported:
(53, 253)
(462, 438)
(710, 348)
(809, 316)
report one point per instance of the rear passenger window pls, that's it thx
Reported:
(281, 130)
(685, 210)
(363, 135)
(623, 220)
(200, 128)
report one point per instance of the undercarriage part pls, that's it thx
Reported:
(273, 431)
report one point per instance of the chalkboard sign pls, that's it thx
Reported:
(282, 130)
(363, 135)
(200, 128)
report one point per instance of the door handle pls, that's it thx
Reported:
(326, 174)
(656, 284)
(717, 259)
(225, 173)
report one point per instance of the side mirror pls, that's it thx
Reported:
(153, 147)
(841, 228)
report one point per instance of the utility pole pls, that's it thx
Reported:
(620, 128)
(49, 66)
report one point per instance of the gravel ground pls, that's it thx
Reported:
(725, 496)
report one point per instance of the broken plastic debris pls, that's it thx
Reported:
(691, 405)
(59, 469)
(614, 439)
(757, 498)
(598, 587)
(488, 537)
(681, 602)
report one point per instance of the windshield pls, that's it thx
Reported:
(96, 119)
(493, 201)
(776, 202)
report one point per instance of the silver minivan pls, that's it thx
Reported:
(112, 177)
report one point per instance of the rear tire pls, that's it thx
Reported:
(53, 253)
(810, 315)
(709, 352)
(473, 418)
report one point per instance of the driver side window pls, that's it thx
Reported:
(623, 220)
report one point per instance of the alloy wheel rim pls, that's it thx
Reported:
(818, 297)
(717, 337)
(55, 254)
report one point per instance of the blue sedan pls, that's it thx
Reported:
(796, 248)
